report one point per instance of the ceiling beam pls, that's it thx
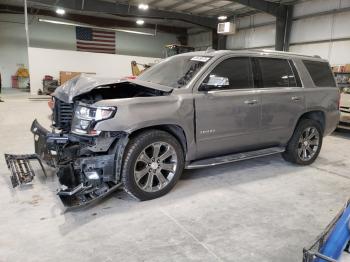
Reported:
(218, 9)
(92, 20)
(127, 11)
(177, 4)
(198, 6)
(261, 5)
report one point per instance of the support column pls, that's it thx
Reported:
(218, 41)
(283, 27)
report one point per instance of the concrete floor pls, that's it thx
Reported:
(263, 209)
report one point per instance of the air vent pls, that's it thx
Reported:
(227, 28)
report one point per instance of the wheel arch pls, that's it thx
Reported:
(172, 129)
(317, 115)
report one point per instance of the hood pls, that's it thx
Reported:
(83, 84)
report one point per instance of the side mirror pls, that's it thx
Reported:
(215, 82)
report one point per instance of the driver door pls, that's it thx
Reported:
(227, 109)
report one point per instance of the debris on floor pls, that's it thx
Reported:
(21, 168)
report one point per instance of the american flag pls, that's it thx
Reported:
(95, 40)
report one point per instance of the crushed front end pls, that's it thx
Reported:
(87, 161)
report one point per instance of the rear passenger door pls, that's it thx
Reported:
(282, 98)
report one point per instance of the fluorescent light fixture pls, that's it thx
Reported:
(222, 17)
(143, 6)
(60, 11)
(140, 22)
(95, 27)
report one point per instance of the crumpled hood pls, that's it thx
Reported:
(85, 83)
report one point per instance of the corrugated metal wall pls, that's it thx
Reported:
(320, 27)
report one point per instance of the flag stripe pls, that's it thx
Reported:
(103, 36)
(92, 40)
(97, 48)
(96, 51)
(104, 40)
(104, 32)
(94, 44)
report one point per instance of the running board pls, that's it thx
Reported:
(234, 157)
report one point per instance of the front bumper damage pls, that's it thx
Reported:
(88, 168)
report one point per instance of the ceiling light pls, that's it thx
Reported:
(143, 6)
(222, 17)
(96, 27)
(60, 11)
(140, 22)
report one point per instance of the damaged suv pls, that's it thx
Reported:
(192, 110)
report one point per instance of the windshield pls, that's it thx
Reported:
(175, 71)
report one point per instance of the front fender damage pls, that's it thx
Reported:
(88, 168)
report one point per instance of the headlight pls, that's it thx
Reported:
(90, 113)
(86, 117)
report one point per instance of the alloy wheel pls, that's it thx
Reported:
(155, 166)
(308, 143)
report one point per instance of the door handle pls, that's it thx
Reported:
(296, 98)
(251, 102)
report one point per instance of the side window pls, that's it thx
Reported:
(232, 73)
(276, 72)
(320, 73)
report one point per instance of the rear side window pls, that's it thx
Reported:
(320, 73)
(275, 72)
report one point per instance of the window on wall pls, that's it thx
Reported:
(276, 72)
(320, 73)
(234, 73)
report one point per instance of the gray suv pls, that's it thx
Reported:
(190, 111)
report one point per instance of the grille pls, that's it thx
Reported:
(62, 115)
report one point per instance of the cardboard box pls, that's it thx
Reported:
(347, 68)
(338, 69)
(66, 75)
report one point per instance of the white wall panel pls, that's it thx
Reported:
(238, 41)
(321, 49)
(256, 19)
(252, 38)
(315, 6)
(341, 25)
(340, 53)
(51, 61)
(311, 29)
(344, 3)
(335, 52)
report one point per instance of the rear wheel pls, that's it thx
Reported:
(153, 163)
(305, 144)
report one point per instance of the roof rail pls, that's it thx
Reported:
(283, 52)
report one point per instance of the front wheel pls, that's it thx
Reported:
(153, 162)
(305, 144)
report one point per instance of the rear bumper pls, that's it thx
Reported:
(332, 120)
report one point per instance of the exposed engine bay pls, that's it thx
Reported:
(118, 91)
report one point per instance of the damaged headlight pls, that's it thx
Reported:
(86, 117)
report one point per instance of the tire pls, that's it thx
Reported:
(296, 147)
(145, 179)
